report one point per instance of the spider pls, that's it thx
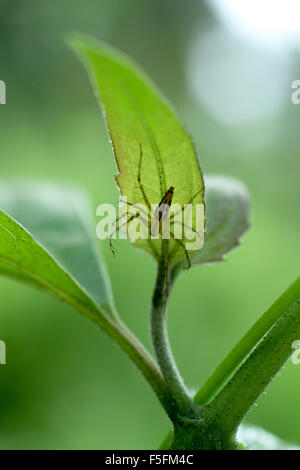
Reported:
(159, 225)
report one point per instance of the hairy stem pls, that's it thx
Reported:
(145, 363)
(120, 334)
(242, 350)
(161, 345)
(233, 402)
(246, 344)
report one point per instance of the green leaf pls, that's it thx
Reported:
(23, 258)
(227, 203)
(59, 218)
(138, 117)
(227, 218)
(257, 438)
(63, 261)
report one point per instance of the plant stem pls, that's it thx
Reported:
(145, 363)
(161, 345)
(232, 403)
(246, 344)
(244, 348)
(119, 333)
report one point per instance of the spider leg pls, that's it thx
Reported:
(189, 202)
(140, 180)
(187, 226)
(132, 217)
(136, 206)
(184, 249)
(119, 218)
(112, 249)
(195, 195)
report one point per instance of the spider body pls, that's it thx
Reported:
(159, 225)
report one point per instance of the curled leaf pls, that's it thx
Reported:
(227, 218)
(227, 202)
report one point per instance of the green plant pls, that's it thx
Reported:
(46, 240)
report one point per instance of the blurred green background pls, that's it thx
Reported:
(66, 385)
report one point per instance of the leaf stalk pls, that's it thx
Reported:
(161, 345)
